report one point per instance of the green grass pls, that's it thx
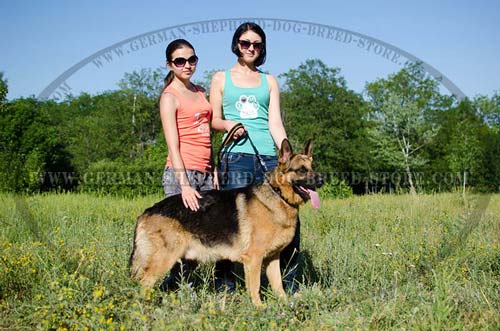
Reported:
(430, 262)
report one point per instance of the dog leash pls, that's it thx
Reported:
(224, 151)
(229, 141)
(229, 137)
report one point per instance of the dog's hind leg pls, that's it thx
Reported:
(160, 263)
(273, 274)
(252, 265)
(141, 253)
(154, 254)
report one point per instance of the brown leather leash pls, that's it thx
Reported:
(229, 142)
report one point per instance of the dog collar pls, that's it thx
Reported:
(278, 192)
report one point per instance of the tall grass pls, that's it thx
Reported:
(430, 262)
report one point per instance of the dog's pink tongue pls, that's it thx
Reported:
(315, 202)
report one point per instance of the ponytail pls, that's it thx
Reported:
(168, 79)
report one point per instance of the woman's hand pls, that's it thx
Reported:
(231, 124)
(190, 198)
(216, 179)
(237, 135)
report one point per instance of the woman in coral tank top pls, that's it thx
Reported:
(185, 116)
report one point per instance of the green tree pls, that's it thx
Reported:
(489, 172)
(30, 146)
(110, 126)
(147, 81)
(403, 105)
(144, 88)
(489, 111)
(464, 146)
(316, 103)
(4, 89)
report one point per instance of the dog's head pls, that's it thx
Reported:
(294, 176)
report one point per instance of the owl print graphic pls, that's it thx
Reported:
(248, 106)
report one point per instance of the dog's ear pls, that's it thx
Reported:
(308, 148)
(285, 151)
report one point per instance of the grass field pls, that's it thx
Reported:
(430, 262)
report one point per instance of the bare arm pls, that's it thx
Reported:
(275, 123)
(168, 109)
(216, 91)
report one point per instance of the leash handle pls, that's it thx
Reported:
(223, 151)
(230, 134)
(229, 140)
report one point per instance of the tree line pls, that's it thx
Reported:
(400, 135)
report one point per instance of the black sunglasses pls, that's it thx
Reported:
(245, 44)
(181, 62)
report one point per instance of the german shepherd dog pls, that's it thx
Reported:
(251, 225)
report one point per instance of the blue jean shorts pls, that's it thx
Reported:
(201, 181)
(238, 170)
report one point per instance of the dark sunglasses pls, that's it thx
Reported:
(245, 44)
(181, 62)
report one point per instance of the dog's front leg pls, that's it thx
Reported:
(252, 266)
(273, 274)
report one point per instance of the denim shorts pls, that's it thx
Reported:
(201, 181)
(238, 170)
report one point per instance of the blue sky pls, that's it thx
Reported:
(42, 39)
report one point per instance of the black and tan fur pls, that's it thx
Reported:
(250, 225)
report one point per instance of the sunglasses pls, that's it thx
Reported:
(245, 44)
(181, 62)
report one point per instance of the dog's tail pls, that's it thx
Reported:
(141, 251)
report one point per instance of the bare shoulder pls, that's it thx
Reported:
(272, 81)
(218, 78)
(168, 101)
